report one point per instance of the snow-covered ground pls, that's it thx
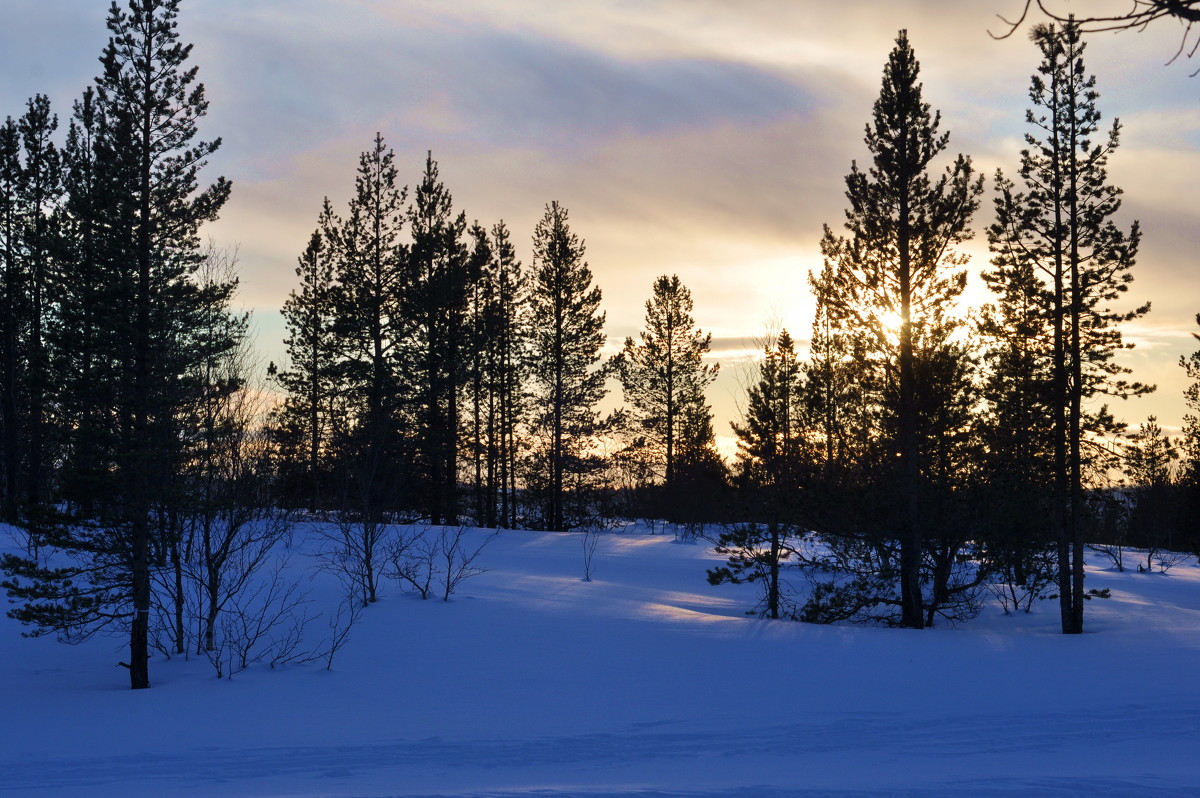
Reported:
(645, 681)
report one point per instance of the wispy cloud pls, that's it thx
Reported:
(699, 137)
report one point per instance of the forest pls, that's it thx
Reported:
(908, 460)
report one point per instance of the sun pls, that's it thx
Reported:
(891, 321)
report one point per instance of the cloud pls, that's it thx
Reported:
(699, 137)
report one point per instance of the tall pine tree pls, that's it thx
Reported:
(305, 421)
(508, 335)
(149, 161)
(498, 363)
(663, 374)
(896, 277)
(30, 187)
(1063, 251)
(566, 369)
(437, 289)
(370, 328)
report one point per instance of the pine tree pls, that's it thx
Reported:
(896, 278)
(1066, 254)
(305, 417)
(479, 356)
(772, 449)
(13, 282)
(566, 369)
(437, 288)
(773, 456)
(498, 362)
(508, 335)
(663, 374)
(370, 331)
(30, 186)
(83, 339)
(41, 190)
(148, 162)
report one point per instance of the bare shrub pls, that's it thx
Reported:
(458, 559)
(263, 622)
(354, 549)
(591, 539)
(418, 558)
(412, 559)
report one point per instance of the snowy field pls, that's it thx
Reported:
(645, 681)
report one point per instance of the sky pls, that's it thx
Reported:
(704, 138)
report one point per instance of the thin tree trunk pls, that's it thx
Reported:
(1075, 428)
(910, 542)
(177, 566)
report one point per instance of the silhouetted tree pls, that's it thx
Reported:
(304, 420)
(499, 365)
(1151, 463)
(1061, 249)
(1016, 467)
(510, 336)
(663, 374)
(436, 292)
(774, 458)
(567, 332)
(895, 279)
(84, 340)
(30, 187)
(13, 280)
(148, 161)
(837, 390)
(370, 329)
(773, 449)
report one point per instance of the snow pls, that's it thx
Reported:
(645, 681)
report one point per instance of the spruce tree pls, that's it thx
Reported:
(896, 277)
(1016, 426)
(1058, 245)
(567, 332)
(698, 494)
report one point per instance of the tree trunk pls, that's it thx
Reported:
(911, 602)
(139, 630)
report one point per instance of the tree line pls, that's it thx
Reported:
(912, 458)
